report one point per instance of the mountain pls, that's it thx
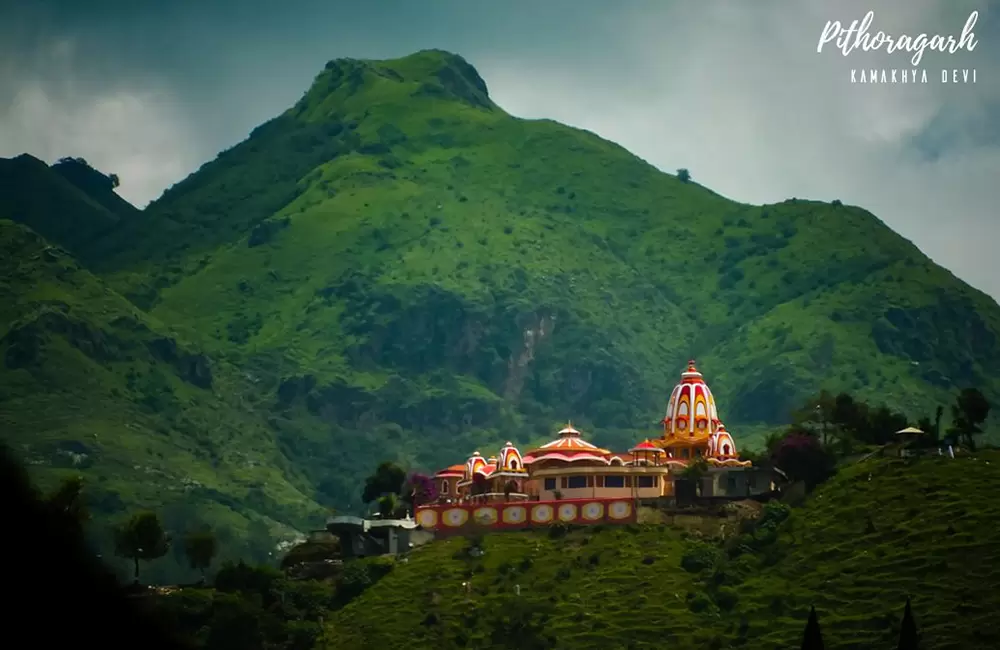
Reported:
(395, 268)
(70, 203)
(91, 385)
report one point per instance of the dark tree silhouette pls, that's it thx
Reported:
(683, 175)
(141, 538)
(968, 414)
(908, 630)
(812, 639)
(803, 458)
(200, 547)
(388, 478)
(56, 571)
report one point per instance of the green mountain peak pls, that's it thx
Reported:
(396, 268)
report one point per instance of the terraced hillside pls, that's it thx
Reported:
(933, 537)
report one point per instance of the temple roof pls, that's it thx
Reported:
(646, 446)
(453, 470)
(569, 446)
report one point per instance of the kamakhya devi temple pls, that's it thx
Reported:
(572, 469)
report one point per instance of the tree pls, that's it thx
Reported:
(388, 504)
(115, 182)
(387, 479)
(908, 630)
(200, 548)
(967, 414)
(813, 638)
(68, 504)
(141, 537)
(683, 175)
(931, 429)
(802, 458)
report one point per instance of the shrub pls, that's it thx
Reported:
(700, 556)
(726, 598)
(683, 175)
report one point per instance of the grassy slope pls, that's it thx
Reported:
(824, 556)
(88, 386)
(935, 540)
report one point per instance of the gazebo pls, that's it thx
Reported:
(646, 453)
(906, 437)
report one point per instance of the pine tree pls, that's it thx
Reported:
(813, 638)
(908, 630)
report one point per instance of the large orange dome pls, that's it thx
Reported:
(691, 409)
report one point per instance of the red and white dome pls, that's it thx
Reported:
(691, 408)
(721, 444)
(510, 459)
(568, 447)
(478, 465)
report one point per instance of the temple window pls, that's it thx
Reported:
(550, 484)
(646, 481)
(725, 450)
(577, 482)
(614, 481)
(513, 463)
(685, 453)
(590, 481)
(697, 452)
(600, 481)
(562, 482)
(628, 481)
(444, 487)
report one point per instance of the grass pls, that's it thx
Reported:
(934, 540)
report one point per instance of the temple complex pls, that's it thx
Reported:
(572, 468)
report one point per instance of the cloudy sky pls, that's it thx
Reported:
(733, 90)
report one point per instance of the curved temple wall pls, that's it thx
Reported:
(457, 519)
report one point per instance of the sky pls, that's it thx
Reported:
(735, 91)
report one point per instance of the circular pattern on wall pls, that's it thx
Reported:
(515, 515)
(455, 517)
(567, 512)
(593, 511)
(485, 516)
(427, 518)
(620, 509)
(541, 514)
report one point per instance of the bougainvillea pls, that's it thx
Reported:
(422, 489)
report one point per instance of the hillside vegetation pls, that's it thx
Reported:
(396, 269)
(93, 386)
(932, 537)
